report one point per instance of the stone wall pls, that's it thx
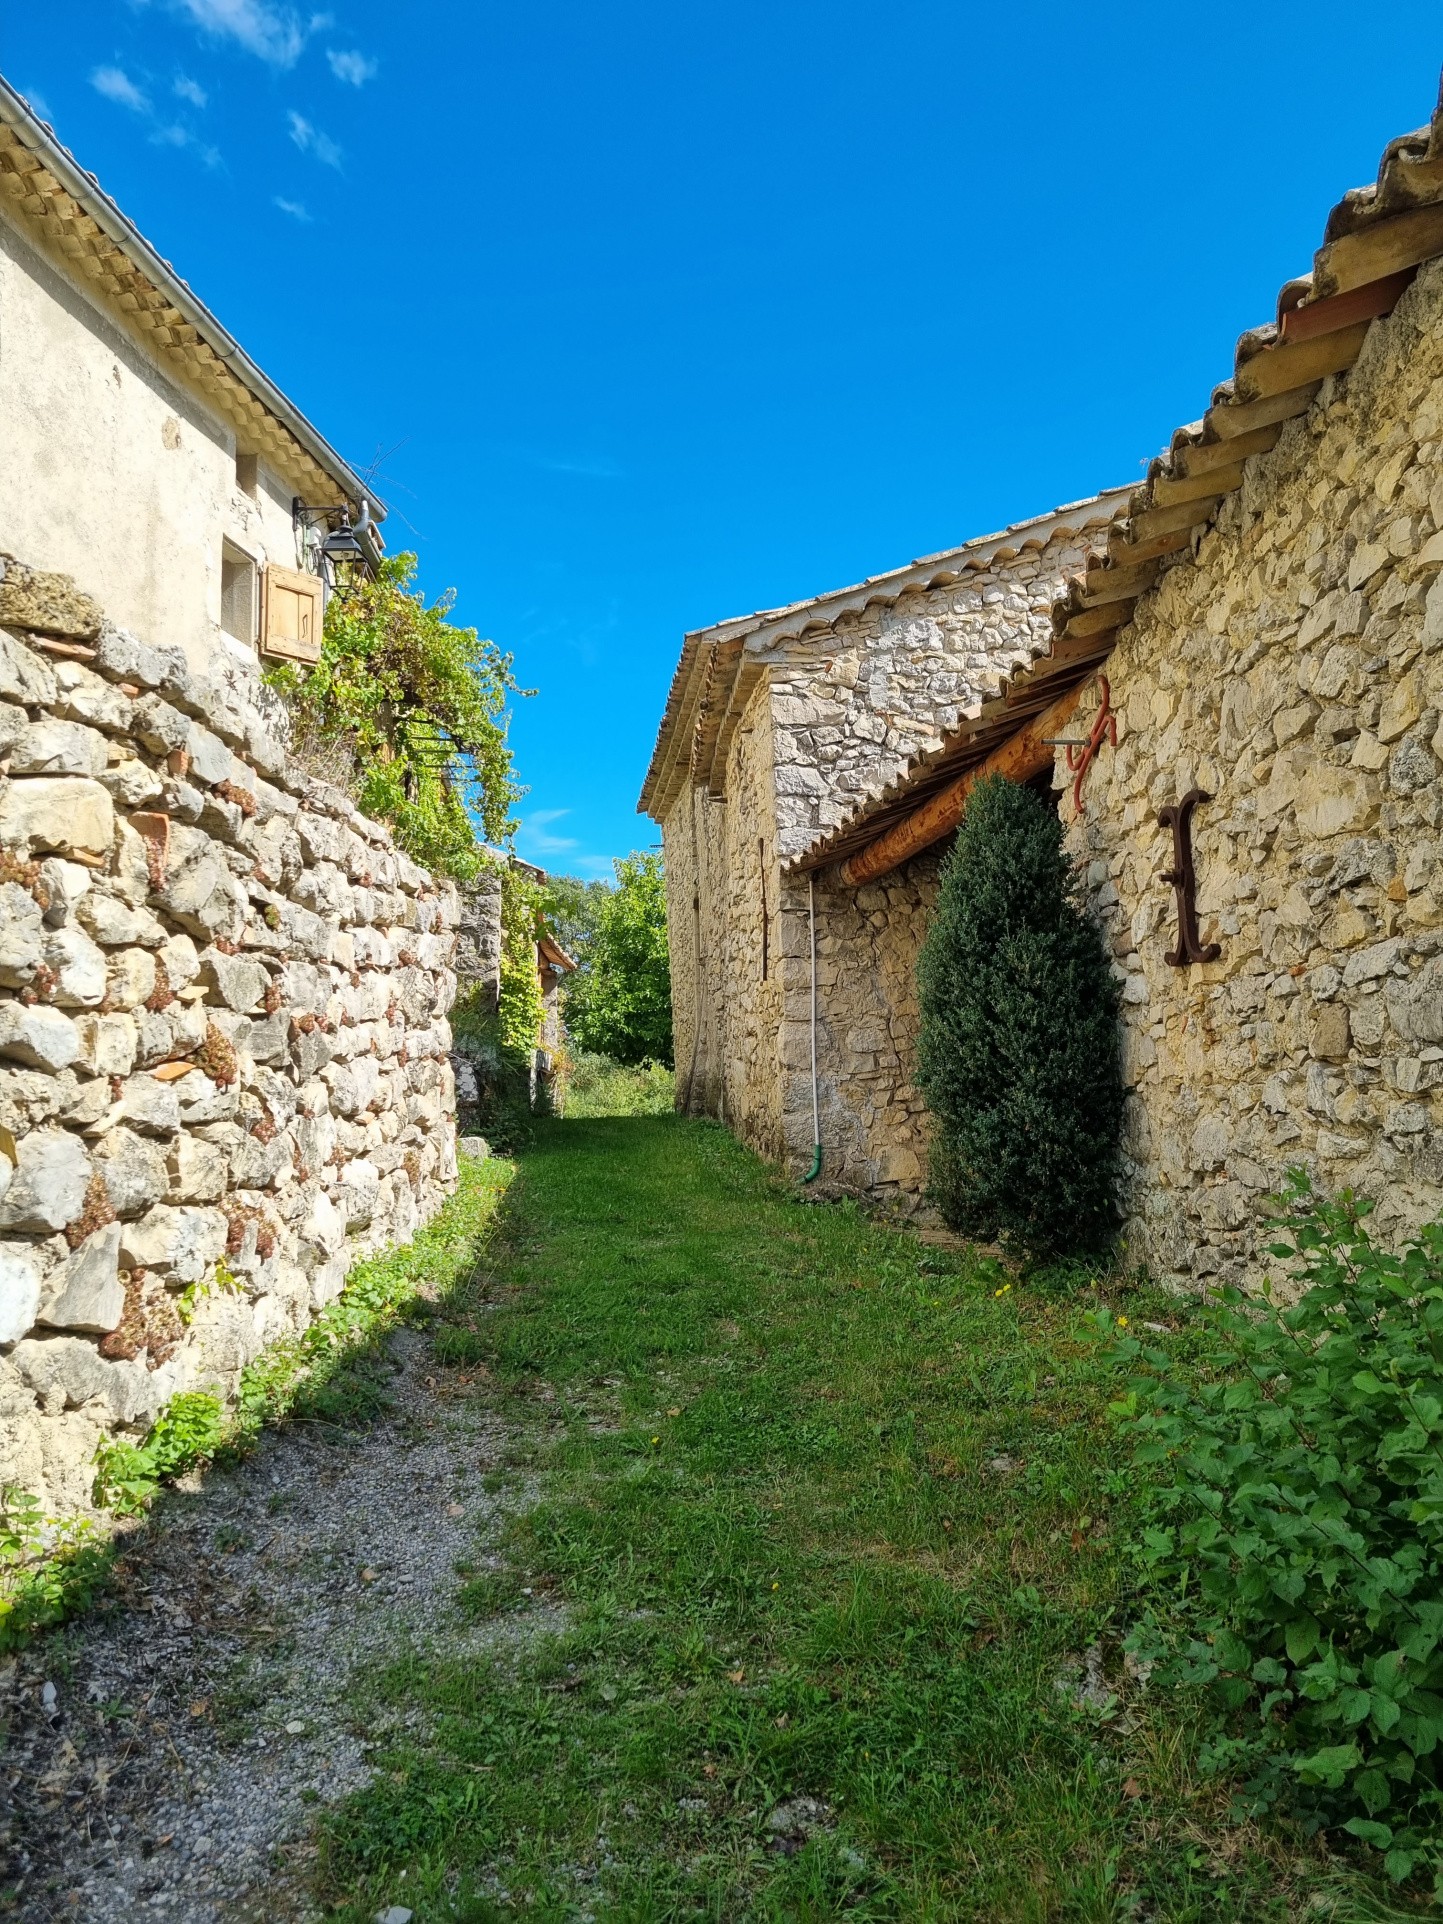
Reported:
(1294, 671)
(477, 960)
(853, 707)
(852, 710)
(836, 715)
(727, 941)
(223, 1036)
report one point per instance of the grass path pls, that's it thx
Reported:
(833, 1519)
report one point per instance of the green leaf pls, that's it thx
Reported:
(1301, 1638)
(1379, 1835)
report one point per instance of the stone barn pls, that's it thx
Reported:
(1257, 816)
(778, 726)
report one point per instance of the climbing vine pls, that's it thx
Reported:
(418, 706)
(518, 1006)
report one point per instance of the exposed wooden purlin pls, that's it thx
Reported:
(1020, 757)
(1229, 420)
(1378, 250)
(749, 673)
(678, 728)
(731, 660)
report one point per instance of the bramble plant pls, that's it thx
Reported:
(1296, 1557)
(420, 705)
(1018, 1049)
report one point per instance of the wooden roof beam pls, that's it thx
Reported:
(1019, 758)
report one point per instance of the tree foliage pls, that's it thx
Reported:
(573, 911)
(619, 1003)
(420, 705)
(1019, 1044)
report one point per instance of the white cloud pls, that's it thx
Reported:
(191, 90)
(170, 134)
(311, 140)
(535, 832)
(354, 68)
(39, 104)
(273, 34)
(119, 87)
(294, 208)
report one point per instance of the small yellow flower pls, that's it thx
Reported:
(1122, 1322)
(776, 1586)
(656, 1439)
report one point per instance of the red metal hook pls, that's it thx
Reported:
(1079, 760)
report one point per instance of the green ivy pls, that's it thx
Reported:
(420, 705)
(519, 1008)
(1295, 1557)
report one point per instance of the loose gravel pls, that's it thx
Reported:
(166, 1758)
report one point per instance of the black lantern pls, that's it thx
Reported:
(341, 545)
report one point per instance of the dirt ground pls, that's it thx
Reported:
(162, 1757)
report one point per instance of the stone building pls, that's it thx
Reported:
(1259, 824)
(777, 726)
(146, 455)
(1248, 661)
(223, 990)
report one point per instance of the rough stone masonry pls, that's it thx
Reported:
(223, 1034)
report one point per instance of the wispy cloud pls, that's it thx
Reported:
(191, 90)
(295, 208)
(117, 85)
(535, 832)
(172, 134)
(276, 35)
(38, 102)
(354, 68)
(311, 140)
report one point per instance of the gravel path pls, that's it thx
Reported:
(163, 1760)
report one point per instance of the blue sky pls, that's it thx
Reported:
(655, 314)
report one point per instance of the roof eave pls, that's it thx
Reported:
(127, 236)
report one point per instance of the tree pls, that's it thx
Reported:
(418, 706)
(620, 1004)
(573, 911)
(1019, 1047)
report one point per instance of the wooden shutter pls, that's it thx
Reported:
(291, 616)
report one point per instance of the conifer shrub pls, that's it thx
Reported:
(1019, 1047)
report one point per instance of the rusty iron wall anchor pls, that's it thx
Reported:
(1183, 877)
(1104, 728)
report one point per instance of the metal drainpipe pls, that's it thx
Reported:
(816, 1168)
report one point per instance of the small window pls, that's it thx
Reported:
(248, 473)
(238, 595)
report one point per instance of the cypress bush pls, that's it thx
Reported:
(1019, 1047)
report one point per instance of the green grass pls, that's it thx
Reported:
(831, 1515)
(598, 1086)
